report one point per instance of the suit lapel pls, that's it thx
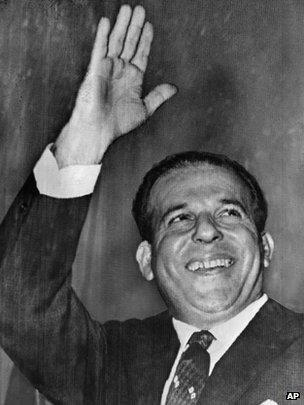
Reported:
(152, 366)
(271, 331)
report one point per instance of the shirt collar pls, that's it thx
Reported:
(225, 332)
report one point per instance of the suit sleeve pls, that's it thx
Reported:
(44, 327)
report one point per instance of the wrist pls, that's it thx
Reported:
(76, 146)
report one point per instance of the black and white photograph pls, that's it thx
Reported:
(152, 202)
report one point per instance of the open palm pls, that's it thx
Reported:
(109, 103)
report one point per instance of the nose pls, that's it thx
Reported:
(206, 231)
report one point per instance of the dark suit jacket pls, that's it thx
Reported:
(73, 359)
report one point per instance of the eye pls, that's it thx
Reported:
(231, 215)
(231, 212)
(179, 218)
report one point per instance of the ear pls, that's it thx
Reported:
(143, 257)
(268, 248)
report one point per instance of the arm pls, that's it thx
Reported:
(44, 327)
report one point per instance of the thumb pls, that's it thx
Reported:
(158, 96)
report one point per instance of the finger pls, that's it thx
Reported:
(100, 46)
(133, 34)
(118, 33)
(158, 96)
(141, 57)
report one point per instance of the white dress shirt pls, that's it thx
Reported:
(225, 334)
(76, 181)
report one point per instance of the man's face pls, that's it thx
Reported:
(206, 251)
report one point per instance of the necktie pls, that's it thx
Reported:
(192, 371)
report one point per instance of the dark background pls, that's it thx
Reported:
(239, 67)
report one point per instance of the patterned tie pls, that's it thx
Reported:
(192, 371)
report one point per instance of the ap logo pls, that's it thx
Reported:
(292, 395)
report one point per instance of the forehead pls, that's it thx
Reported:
(194, 183)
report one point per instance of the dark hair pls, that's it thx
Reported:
(143, 217)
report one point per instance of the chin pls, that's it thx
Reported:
(215, 307)
(216, 303)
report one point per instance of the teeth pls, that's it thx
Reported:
(209, 264)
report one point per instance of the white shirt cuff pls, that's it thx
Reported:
(68, 182)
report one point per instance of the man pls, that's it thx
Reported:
(201, 216)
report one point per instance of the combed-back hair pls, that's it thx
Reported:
(140, 209)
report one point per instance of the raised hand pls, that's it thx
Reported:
(109, 103)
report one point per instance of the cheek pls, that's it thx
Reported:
(175, 243)
(250, 257)
(247, 238)
(167, 254)
(252, 247)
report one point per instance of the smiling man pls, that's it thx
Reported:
(202, 221)
(202, 218)
(206, 242)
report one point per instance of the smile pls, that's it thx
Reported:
(209, 264)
